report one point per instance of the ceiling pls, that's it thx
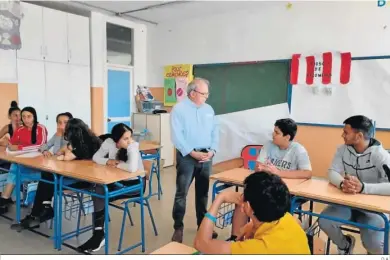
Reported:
(156, 12)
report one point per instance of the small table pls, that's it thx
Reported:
(174, 248)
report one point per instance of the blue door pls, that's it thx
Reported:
(119, 97)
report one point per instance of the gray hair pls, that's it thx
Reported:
(194, 83)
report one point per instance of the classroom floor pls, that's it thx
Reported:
(28, 242)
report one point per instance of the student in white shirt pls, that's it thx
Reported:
(281, 156)
(121, 151)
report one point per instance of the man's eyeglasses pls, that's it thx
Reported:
(206, 94)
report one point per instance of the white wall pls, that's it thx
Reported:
(272, 32)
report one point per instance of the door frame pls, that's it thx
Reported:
(105, 91)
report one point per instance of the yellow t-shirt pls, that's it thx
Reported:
(284, 236)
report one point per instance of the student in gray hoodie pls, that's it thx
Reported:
(358, 167)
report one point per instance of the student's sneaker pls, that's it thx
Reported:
(350, 247)
(4, 205)
(31, 221)
(94, 244)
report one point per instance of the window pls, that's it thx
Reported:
(119, 45)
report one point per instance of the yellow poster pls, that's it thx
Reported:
(176, 79)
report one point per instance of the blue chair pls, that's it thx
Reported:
(150, 170)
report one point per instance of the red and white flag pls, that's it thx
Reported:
(323, 69)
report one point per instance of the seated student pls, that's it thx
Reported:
(8, 131)
(273, 230)
(57, 141)
(82, 145)
(358, 167)
(282, 157)
(121, 151)
(30, 135)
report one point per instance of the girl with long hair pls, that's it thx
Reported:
(8, 130)
(121, 151)
(27, 137)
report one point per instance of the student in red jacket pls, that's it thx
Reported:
(30, 136)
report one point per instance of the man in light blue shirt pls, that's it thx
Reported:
(195, 134)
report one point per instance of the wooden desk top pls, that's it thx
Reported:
(323, 190)
(82, 170)
(174, 248)
(148, 145)
(237, 176)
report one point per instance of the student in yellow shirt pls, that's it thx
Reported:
(271, 230)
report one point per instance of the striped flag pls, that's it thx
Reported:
(324, 69)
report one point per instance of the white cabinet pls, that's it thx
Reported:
(53, 88)
(78, 40)
(31, 86)
(31, 32)
(55, 35)
(53, 64)
(159, 128)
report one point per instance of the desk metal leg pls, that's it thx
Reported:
(106, 221)
(386, 234)
(158, 175)
(59, 214)
(18, 183)
(142, 217)
(55, 206)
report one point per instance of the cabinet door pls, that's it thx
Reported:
(79, 92)
(31, 32)
(55, 37)
(153, 124)
(31, 86)
(8, 70)
(78, 40)
(58, 97)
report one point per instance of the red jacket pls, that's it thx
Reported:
(22, 138)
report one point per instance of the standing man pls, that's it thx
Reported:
(196, 136)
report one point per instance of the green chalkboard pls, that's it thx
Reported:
(237, 87)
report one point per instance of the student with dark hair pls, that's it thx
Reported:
(57, 141)
(29, 136)
(281, 156)
(8, 131)
(272, 229)
(121, 151)
(82, 145)
(361, 165)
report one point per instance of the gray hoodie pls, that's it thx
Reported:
(368, 167)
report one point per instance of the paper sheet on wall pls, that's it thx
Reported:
(253, 126)
(181, 87)
(368, 93)
(169, 91)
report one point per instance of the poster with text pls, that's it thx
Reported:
(176, 79)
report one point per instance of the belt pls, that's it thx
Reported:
(205, 150)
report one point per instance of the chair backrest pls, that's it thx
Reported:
(249, 155)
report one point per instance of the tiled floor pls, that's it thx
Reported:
(28, 242)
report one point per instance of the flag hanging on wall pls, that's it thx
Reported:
(324, 69)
